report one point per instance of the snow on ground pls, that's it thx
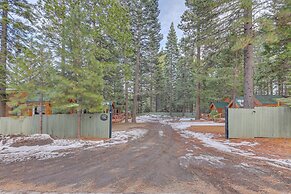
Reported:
(208, 141)
(189, 158)
(185, 125)
(186, 119)
(150, 118)
(243, 143)
(211, 159)
(161, 133)
(226, 146)
(59, 147)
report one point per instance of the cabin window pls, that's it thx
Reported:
(36, 110)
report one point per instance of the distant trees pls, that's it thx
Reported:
(145, 29)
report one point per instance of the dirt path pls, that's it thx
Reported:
(158, 162)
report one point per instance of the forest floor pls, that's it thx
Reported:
(159, 155)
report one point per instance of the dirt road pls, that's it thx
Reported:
(161, 161)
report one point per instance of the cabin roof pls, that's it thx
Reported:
(268, 99)
(263, 99)
(220, 104)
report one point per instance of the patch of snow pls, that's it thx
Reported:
(208, 141)
(161, 133)
(243, 143)
(185, 125)
(211, 159)
(187, 119)
(189, 158)
(225, 146)
(59, 147)
(282, 163)
(250, 168)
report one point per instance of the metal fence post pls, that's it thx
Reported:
(110, 119)
(226, 123)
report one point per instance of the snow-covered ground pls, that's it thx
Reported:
(59, 147)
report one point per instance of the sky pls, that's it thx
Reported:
(171, 11)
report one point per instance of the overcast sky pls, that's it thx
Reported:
(171, 11)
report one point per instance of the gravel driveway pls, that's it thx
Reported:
(161, 161)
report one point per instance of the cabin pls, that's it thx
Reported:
(34, 108)
(218, 106)
(259, 101)
(30, 107)
(118, 114)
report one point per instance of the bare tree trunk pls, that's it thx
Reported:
(3, 58)
(157, 102)
(198, 104)
(40, 114)
(286, 89)
(183, 110)
(271, 87)
(235, 79)
(136, 87)
(79, 114)
(279, 87)
(198, 89)
(248, 58)
(151, 94)
(126, 101)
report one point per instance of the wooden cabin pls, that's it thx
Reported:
(259, 101)
(34, 107)
(118, 114)
(30, 107)
(218, 106)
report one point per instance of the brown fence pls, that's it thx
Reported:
(273, 122)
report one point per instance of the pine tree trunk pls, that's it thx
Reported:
(235, 84)
(248, 59)
(271, 87)
(151, 94)
(198, 109)
(40, 114)
(126, 101)
(79, 114)
(136, 87)
(3, 59)
(286, 90)
(198, 89)
(279, 87)
(157, 102)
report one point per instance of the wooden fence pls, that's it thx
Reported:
(272, 122)
(61, 126)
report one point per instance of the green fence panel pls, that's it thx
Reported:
(271, 122)
(93, 126)
(61, 126)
